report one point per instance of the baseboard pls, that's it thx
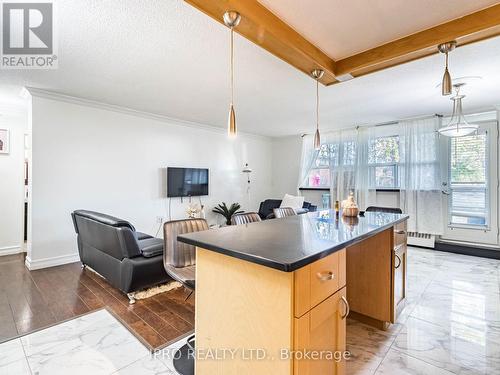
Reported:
(467, 250)
(9, 250)
(51, 262)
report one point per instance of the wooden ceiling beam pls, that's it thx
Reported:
(468, 29)
(262, 27)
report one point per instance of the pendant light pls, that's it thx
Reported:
(231, 20)
(458, 125)
(317, 74)
(446, 85)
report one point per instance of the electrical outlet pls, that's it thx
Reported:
(159, 219)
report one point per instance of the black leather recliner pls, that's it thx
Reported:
(127, 259)
(267, 206)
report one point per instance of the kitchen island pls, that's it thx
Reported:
(272, 297)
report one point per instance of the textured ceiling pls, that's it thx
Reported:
(343, 28)
(165, 57)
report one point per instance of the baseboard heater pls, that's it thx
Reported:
(421, 239)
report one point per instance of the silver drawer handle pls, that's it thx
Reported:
(400, 232)
(325, 276)
(347, 309)
(399, 261)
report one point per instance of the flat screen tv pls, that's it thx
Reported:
(186, 182)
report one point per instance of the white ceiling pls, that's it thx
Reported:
(343, 28)
(165, 57)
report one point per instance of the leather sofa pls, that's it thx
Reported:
(266, 208)
(127, 259)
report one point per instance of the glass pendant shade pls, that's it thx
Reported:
(317, 140)
(231, 122)
(454, 131)
(446, 85)
(458, 125)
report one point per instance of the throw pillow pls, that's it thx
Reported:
(293, 201)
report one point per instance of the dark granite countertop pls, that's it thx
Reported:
(293, 242)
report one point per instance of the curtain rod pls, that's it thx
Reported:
(422, 117)
(395, 122)
(404, 119)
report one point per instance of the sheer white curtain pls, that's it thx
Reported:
(343, 162)
(308, 158)
(366, 194)
(420, 175)
(339, 156)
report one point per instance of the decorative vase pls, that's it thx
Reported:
(350, 211)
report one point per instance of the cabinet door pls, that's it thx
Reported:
(319, 280)
(399, 283)
(322, 330)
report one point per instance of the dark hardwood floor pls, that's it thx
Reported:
(30, 300)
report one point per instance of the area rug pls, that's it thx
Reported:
(153, 291)
(148, 292)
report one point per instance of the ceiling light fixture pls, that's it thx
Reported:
(446, 85)
(231, 20)
(317, 74)
(458, 126)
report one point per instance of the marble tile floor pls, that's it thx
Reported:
(96, 343)
(451, 325)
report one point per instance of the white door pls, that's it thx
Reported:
(470, 186)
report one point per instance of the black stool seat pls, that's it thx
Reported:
(184, 358)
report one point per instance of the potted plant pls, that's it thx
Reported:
(228, 213)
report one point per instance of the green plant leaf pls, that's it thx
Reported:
(226, 212)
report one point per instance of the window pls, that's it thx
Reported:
(468, 181)
(383, 162)
(319, 174)
(329, 156)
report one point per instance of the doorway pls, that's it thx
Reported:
(470, 186)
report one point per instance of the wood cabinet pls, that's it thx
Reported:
(257, 307)
(321, 309)
(376, 277)
(399, 264)
(322, 331)
(400, 234)
(317, 281)
(369, 279)
(245, 306)
(399, 279)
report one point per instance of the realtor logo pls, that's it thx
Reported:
(28, 40)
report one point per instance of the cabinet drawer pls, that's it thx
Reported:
(322, 329)
(318, 281)
(400, 234)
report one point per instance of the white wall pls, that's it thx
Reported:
(286, 165)
(87, 156)
(12, 181)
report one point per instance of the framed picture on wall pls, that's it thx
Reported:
(4, 141)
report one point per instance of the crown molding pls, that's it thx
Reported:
(52, 95)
